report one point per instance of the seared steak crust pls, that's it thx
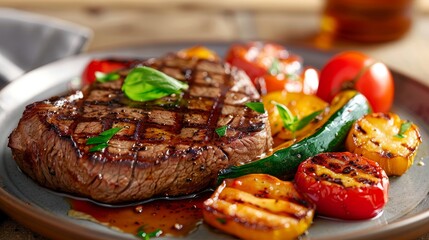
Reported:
(166, 147)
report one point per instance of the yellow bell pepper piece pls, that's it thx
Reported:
(259, 206)
(386, 139)
(198, 52)
(300, 105)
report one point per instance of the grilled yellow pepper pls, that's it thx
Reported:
(198, 52)
(258, 206)
(300, 105)
(386, 139)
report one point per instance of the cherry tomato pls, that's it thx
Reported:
(270, 66)
(104, 66)
(343, 185)
(354, 70)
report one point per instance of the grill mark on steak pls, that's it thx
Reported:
(165, 147)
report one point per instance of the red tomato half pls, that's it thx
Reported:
(354, 70)
(270, 66)
(343, 185)
(255, 58)
(104, 66)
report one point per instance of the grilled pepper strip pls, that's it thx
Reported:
(345, 109)
(343, 185)
(259, 206)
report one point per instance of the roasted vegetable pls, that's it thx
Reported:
(345, 109)
(104, 66)
(355, 70)
(198, 52)
(271, 67)
(386, 139)
(343, 185)
(300, 105)
(258, 206)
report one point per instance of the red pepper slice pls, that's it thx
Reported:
(343, 185)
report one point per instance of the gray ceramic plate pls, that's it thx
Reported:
(405, 216)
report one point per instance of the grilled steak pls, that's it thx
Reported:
(166, 147)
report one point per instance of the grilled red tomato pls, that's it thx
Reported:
(343, 185)
(270, 66)
(104, 66)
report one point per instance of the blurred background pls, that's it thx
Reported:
(124, 23)
(118, 23)
(330, 25)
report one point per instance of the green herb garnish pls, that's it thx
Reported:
(101, 141)
(221, 131)
(106, 77)
(275, 67)
(256, 106)
(146, 84)
(144, 235)
(293, 76)
(404, 127)
(291, 122)
(221, 220)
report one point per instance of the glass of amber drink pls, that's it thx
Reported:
(367, 20)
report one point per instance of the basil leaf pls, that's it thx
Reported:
(106, 77)
(221, 131)
(291, 122)
(404, 127)
(102, 139)
(305, 121)
(285, 114)
(146, 84)
(256, 106)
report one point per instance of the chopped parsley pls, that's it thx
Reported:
(101, 141)
(146, 236)
(106, 77)
(221, 131)
(221, 220)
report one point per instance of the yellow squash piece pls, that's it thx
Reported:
(378, 136)
(198, 52)
(300, 105)
(259, 206)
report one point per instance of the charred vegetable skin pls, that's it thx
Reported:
(343, 185)
(386, 139)
(259, 206)
(346, 108)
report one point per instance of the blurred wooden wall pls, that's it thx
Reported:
(118, 23)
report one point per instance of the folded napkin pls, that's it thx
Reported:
(28, 41)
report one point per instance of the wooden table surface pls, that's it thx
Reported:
(132, 22)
